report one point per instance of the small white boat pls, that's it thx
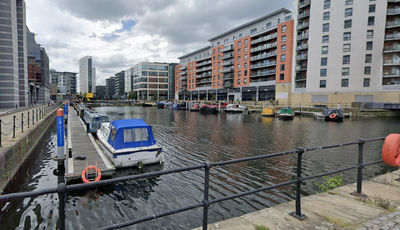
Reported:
(129, 142)
(235, 108)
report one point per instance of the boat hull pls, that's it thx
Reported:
(336, 119)
(286, 117)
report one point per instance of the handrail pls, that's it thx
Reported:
(61, 189)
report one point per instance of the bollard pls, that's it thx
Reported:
(22, 122)
(87, 128)
(33, 117)
(14, 127)
(0, 131)
(37, 119)
(28, 119)
(66, 113)
(60, 136)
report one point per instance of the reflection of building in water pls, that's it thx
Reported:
(267, 119)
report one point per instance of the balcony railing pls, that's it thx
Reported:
(184, 83)
(301, 67)
(392, 62)
(262, 73)
(303, 25)
(392, 36)
(263, 47)
(392, 24)
(302, 46)
(260, 65)
(227, 70)
(300, 78)
(393, 0)
(183, 73)
(393, 11)
(262, 56)
(302, 36)
(301, 57)
(304, 3)
(203, 69)
(228, 84)
(227, 63)
(228, 48)
(203, 63)
(265, 38)
(183, 78)
(303, 15)
(227, 56)
(391, 49)
(228, 77)
(183, 68)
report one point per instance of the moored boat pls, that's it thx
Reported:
(236, 108)
(160, 105)
(268, 112)
(129, 142)
(94, 119)
(333, 115)
(286, 114)
(195, 107)
(148, 105)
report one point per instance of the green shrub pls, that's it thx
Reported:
(330, 183)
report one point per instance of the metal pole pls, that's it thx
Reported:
(33, 117)
(60, 136)
(37, 115)
(13, 127)
(28, 119)
(0, 132)
(359, 169)
(61, 207)
(22, 122)
(205, 201)
(297, 214)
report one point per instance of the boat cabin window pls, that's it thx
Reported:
(113, 132)
(133, 135)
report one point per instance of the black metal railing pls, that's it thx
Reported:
(62, 188)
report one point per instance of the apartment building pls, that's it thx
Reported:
(65, 81)
(152, 79)
(250, 62)
(346, 51)
(87, 75)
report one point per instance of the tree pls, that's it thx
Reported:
(132, 95)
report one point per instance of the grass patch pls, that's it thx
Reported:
(261, 227)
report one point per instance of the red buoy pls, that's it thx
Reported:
(391, 150)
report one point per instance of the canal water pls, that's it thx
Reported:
(190, 138)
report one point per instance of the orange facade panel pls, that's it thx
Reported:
(241, 62)
(217, 67)
(284, 52)
(191, 75)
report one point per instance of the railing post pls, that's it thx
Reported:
(22, 122)
(297, 214)
(360, 166)
(206, 187)
(13, 126)
(61, 189)
(28, 119)
(37, 115)
(0, 131)
(33, 117)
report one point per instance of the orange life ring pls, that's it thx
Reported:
(85, 180)
(391, 150)
(333, 115)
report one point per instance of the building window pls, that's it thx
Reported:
(349, 2)
(245, 57)
(346, 36)
(368, 58)
(348, 12)
(240, 35)
(369, 45)
(214, 58)
(245, 73)
(282, 67)
(370, 33)
(214, 78)
(213, 53)
(219, 50)
(245, 81)
(327, 15)
(239, 51)
(238, 81)
(214, 70)
(372, 8)
(366, 82)
(283, 29)
(219, 77)
(322, 84)
(325, 38)
(284, 38)
(219, 57)
(218, 83)
(253, 31)
(246, 41)
(345, 82)
(347, 24)
(371, 21)
(213, 83)
(346, 59)
(282, 76)
(239, 73)
(239, 66)
(367, 70)
(245, 49)
(345, 71)
(239, 59)
(240, 43)
(283, 57)
(214, 64)
(322, 72)
(283, 48)
(327, 4)
(325, 27)
(346, 47)
(324, 61)
(245, 65)
(268, 25)
(324, 49)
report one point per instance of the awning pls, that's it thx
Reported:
(234, 90)
(249, 89)
(266, 88)
(222, 91)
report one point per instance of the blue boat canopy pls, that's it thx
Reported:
(130, 133)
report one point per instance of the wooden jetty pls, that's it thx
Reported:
(81, 143)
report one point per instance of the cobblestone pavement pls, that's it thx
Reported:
(389, 221)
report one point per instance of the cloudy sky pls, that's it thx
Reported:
(121, 33)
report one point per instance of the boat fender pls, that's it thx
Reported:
(85, 180)
(158, 152)
(391, 150)
(333, 115)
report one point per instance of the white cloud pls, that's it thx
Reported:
(162, 29)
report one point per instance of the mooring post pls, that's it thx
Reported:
(0, 131)
(33, 117)
(206, 188)
(66, 113)
(62, 188)
(28, 119)
(297, 213)
(13, 126)
(360, 166)
(60, 136)
(22, 122)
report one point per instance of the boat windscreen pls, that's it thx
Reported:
(133, 135)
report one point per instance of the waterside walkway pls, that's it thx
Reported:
(334, 210)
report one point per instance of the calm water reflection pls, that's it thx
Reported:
(190, 138)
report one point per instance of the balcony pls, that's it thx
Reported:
(303, 15)
(263, 56)
(208, 74)
(228, 84)
(303, 25)
(204, 58)
(183, 68)
(227, 70)
(301, 67)
(228, 76)
(394, 1)
(391, 62)
(302, 46)
(184, 88)
(261, 65)
(203, 69)
(183, 78)
(392, 24)
(228, 48)
(391, 37)
(301, 57)
(393, 49)
(226, 56)
(302, 36)
(183, 73)
(392, 11)
(393, 74)
(300, 78)
(265, 38)
(225, 63)
(262, 73)
(204, 81)
(304, 3)
(204, 63)
(184, 83)
(263, 47)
